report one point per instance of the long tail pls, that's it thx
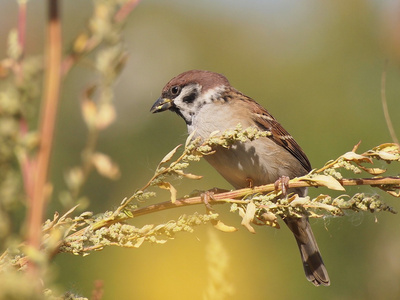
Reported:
(312, 261)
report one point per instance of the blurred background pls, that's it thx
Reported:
(315, 65)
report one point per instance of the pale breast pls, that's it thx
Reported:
(262, 161)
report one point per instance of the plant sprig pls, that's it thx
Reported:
(260, 205)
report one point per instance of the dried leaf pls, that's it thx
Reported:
(161, 241)
(64, 216)
(388, 147)
(373, 171)
(327, 181)
(388, 151)
(139, 242)
(105, 116)
(189, 138)
(74, 177)
(105, 166)
(188, 175)
(146, 228)
(248, 216)
(299, 201)
(332, 209)
(167, 186)
(80, 43)
(169, 156)
(358, 158)
(223, 227)
(89, 111)
(393, 193)
(270, 219)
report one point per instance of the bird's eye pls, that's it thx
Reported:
(175, 90)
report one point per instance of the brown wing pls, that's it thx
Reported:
(265, 121)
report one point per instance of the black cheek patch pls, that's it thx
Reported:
(190, 98)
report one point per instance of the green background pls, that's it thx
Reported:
(315, 65)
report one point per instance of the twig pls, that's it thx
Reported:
(125, 10)
(41, 190)
(385, 107)
(93, 42)
(18, 66)
(149, 183)
(21, 25)
(221, 198)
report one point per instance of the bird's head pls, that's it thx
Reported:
(188, 92)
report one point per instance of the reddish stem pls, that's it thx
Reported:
(125, 10)
(41, 189)
(22, 25)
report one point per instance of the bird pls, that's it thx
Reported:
(208, 103)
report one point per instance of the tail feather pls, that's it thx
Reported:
(311, 257)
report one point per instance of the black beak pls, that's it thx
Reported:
(161, 104)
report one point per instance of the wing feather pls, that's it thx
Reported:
(265, 121)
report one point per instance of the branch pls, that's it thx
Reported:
(225, 197)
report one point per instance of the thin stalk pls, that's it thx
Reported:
(41, 188)
(389, 123)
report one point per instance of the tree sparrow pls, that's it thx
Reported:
(208, 103)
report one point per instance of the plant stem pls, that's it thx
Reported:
(222, 198)
(389, 123)
(21, 26)
(41, 188)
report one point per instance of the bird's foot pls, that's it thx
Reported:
(282, 184)
(250, 182)
(208, 195)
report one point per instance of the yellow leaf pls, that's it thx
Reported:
(169, 155)
(299, 201)
(139, 242)
(105, 116)
(105, 166)
(188, 175)
(80, 43)
(146, 228)
(387, 156)
(393, 193)
(189, 138)
(167, 186)
(223, 227)
(388, 147)
(351, 156)
(327, 181)
(248, 216)
(373, 171)
(89, 112)
(270, 219)
(74, 177)
(388, 151)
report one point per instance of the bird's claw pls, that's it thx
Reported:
(282, 184)
(209, 195)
